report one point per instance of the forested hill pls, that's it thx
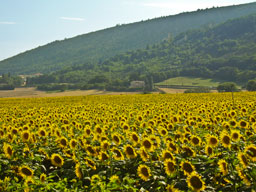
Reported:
(100, 45)
(226, 51)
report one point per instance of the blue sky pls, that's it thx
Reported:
(26, 24)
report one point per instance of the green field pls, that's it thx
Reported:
(190, 81)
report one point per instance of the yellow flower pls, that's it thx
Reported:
(235, 135)
(171, 188)
(195, 140)
(57, 160)
(225, 139)
(195, 182)
(25, 171)
(212, 140)
(169, 167)
(223, 166)
(25, 135)
(144, 172)
(130, 152)
(187, 167)
(147, 144)
(243, 159)
(78, 171)
(117, 154)
(43, 177)
(8, 151)
(73, 143)
(251, 151)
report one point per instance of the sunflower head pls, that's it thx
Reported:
(25, 171)
(130, 151)
(187, 167)
(43, 177)
(212, 140)
(57, 160)
(223, 166)
(235, 135)
(144, 172)
(251, 151)
(8, 151)
(225, 139)
(195, 182)
(170, 167)
(243, 159)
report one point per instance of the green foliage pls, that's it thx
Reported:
(198, 90)
(251, 85)
(91, 48)
(227, 87)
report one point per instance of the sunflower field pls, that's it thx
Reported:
(179, 142)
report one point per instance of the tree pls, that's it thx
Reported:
(227, 87)
(251, 85)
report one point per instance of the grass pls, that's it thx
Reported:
(190, 81)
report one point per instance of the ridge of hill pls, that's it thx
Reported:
(90, 48)
(226, 52)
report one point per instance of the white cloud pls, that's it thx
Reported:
(7, 23)
(72, 18)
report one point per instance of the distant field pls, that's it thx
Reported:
(32, 92)
(189, 81)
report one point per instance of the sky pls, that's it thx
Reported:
(27, 24)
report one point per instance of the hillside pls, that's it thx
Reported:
(226, 52)
(97, 46)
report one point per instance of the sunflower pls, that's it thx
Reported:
(90, 163)
(172, 147)
(209, 150)
(87, 131)
(42, 132)
(169, 167)
(117, 154)
(187, 167)
(134, 138)
(243, 124)
(251, 151)
(147, 144)
(63, 142)
(235, 135)
(188, 152)
(114, 179)
(232, 123)
(116, 138)
(163, 132)
(171, 188)
(25, 135)
(43, 177)
(166, 154)
(243, 159)
(91, 150)
(98, 130)
(78, 171)
(57, 160)
(129, 151)
(144, 172)
(103, 156)
(195, 141)
(223, 166)
(8, 151)
(243, 176)
(73, 143)
(105, 145)
(195, 182)
(225, 139)
(25, 171)
(212, 140)
(143, 154)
